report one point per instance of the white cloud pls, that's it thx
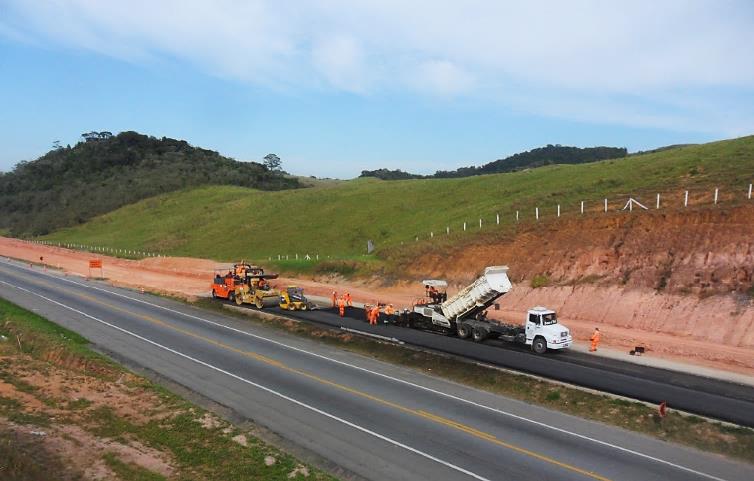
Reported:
(619, 59)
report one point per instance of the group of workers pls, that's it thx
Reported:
(372, 312)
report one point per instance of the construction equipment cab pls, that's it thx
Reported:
(543, 331)
(293, 299)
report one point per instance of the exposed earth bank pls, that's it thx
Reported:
(678, 283)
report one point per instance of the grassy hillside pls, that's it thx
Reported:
(337, 219)
(70, 185)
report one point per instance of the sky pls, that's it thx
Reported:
(336, 86)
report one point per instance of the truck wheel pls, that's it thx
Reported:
(539, 345)
(232, 296)
(464, 331)
(304, 307)
(478, 334)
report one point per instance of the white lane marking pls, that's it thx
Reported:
(259, 386)
(408, 383)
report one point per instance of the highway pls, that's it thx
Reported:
(373, 420)
(683, 391)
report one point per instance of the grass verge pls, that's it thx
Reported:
(65, 409)
(697, 432)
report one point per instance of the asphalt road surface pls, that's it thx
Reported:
(373, 420)
(718, 399)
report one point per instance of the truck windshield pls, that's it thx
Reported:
(548, 319)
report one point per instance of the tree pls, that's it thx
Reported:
(273, 162)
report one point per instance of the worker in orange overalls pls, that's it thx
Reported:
(334, 298)
(349, 300)
(595, 339)
(375, 315)
(342, 307)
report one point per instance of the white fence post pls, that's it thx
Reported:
(716, 190)
(536, 213)
(558, 210)
(464, 226)
(605, 205)
(658, 200)
(749, 191)
(431, 235)
(447, 230)
(497, 217)
(480, 223)
(516, 216)
(686, 199)
(582, 206)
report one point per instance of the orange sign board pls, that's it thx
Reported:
(95, 264)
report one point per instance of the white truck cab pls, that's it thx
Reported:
(543, 331)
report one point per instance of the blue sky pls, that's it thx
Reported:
(334, 87)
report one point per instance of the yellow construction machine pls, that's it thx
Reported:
(293, 299)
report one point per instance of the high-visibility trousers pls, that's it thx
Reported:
(594, 346)
(342, 311)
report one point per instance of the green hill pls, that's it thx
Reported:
(70, 185)
(337, 219)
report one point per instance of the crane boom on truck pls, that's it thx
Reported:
(465, 314)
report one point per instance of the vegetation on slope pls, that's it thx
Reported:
(548, 155)
(70, 185)
(228, 223)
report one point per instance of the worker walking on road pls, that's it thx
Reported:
(595, 339)
(374, 318)
(334, 298)
(342, 307)
(389, 313)
(349, 300)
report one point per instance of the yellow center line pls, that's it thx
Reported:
(415, 412)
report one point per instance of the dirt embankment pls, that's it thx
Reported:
(678, 283)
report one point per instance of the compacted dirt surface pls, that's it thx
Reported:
(677, 283)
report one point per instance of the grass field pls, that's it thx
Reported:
(337, 218)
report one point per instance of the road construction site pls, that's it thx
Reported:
(373, 420)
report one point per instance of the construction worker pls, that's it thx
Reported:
(334, 298)
(349, 300)
(375, 317)
(389, 313)
(342, 307)
(595, 339)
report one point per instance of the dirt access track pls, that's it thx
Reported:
(715, 331)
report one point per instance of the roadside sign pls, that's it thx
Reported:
(95, 264)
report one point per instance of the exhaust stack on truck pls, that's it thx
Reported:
(465, 314)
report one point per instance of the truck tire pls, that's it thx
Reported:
(464, 331)
(232, 296)
(539, 345)
(478, 334)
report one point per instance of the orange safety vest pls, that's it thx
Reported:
(595, 337)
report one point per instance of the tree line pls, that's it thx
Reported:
(70, 185)
(550, 154)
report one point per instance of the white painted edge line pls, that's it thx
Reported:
(261, 387)
(408, 383)
(369, 334)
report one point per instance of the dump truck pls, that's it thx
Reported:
(465, 314)
(293, 299)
